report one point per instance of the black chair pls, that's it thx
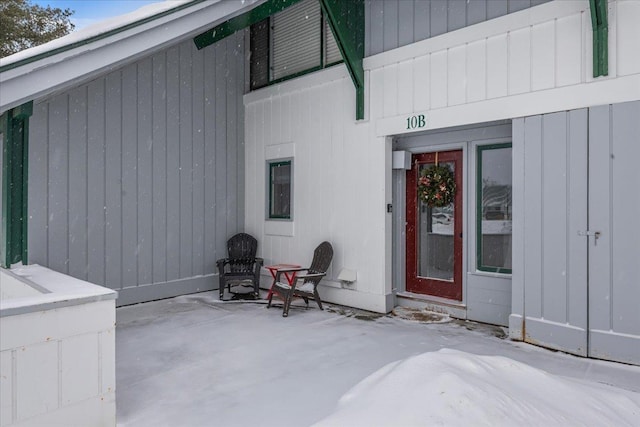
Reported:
(241, 265)
(305, 286)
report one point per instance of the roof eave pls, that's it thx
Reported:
(59, 71)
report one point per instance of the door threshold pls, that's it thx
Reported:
(453, 308)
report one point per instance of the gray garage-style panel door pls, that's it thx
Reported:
(614, 254)
(581, 271)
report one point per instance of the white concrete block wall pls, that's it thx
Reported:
(36, 375)
(58, 366)
(79, 376)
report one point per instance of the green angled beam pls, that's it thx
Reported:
(14, 126)
(241, 22)
(600, 27)
(346, 19)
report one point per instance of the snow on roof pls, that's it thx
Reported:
(66, 62)
(95, 30)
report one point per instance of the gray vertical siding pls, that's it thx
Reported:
(393, 23)
(136, 178)
(77, 182)
(113, 183)
(96, 173)
(129, 249)
(56, 198)
(555, 256)
(579, 173)
(159, 170)
(614, 208)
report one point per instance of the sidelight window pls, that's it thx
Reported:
(494, 208)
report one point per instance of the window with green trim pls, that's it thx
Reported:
(280, 177)
(290, 43)
(494, 208)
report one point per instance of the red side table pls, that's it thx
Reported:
(273, 269)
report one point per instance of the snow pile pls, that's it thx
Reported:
(453, 388)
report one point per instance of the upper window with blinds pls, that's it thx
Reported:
(290, 43)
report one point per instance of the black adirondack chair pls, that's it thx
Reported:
(306, 285)
(241, 264)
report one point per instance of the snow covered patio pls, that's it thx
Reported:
(196, 361)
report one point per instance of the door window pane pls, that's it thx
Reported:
(435, 234)
(280, 190)
(494, 211)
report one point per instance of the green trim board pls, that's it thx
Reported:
(4, 193)
(479, 209)
(241, 22)
(98, 37)
(346, 19)
(13, 239)
(599, 23)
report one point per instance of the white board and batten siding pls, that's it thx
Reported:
(528, 62)
(338, 184)
(135, 178)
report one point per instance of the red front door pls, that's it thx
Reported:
(434, 234)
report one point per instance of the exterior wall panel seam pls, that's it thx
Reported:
(612, 189)
(68, 179)
(542, 222)
(104, 180)
(568, 275)
(166, 165)
(121, 251)
(46, 149)
(86, 180)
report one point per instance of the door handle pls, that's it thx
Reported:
(587, 233)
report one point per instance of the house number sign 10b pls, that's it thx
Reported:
(416, 122)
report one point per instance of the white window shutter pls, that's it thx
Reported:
(332, 51)
(296, 39)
